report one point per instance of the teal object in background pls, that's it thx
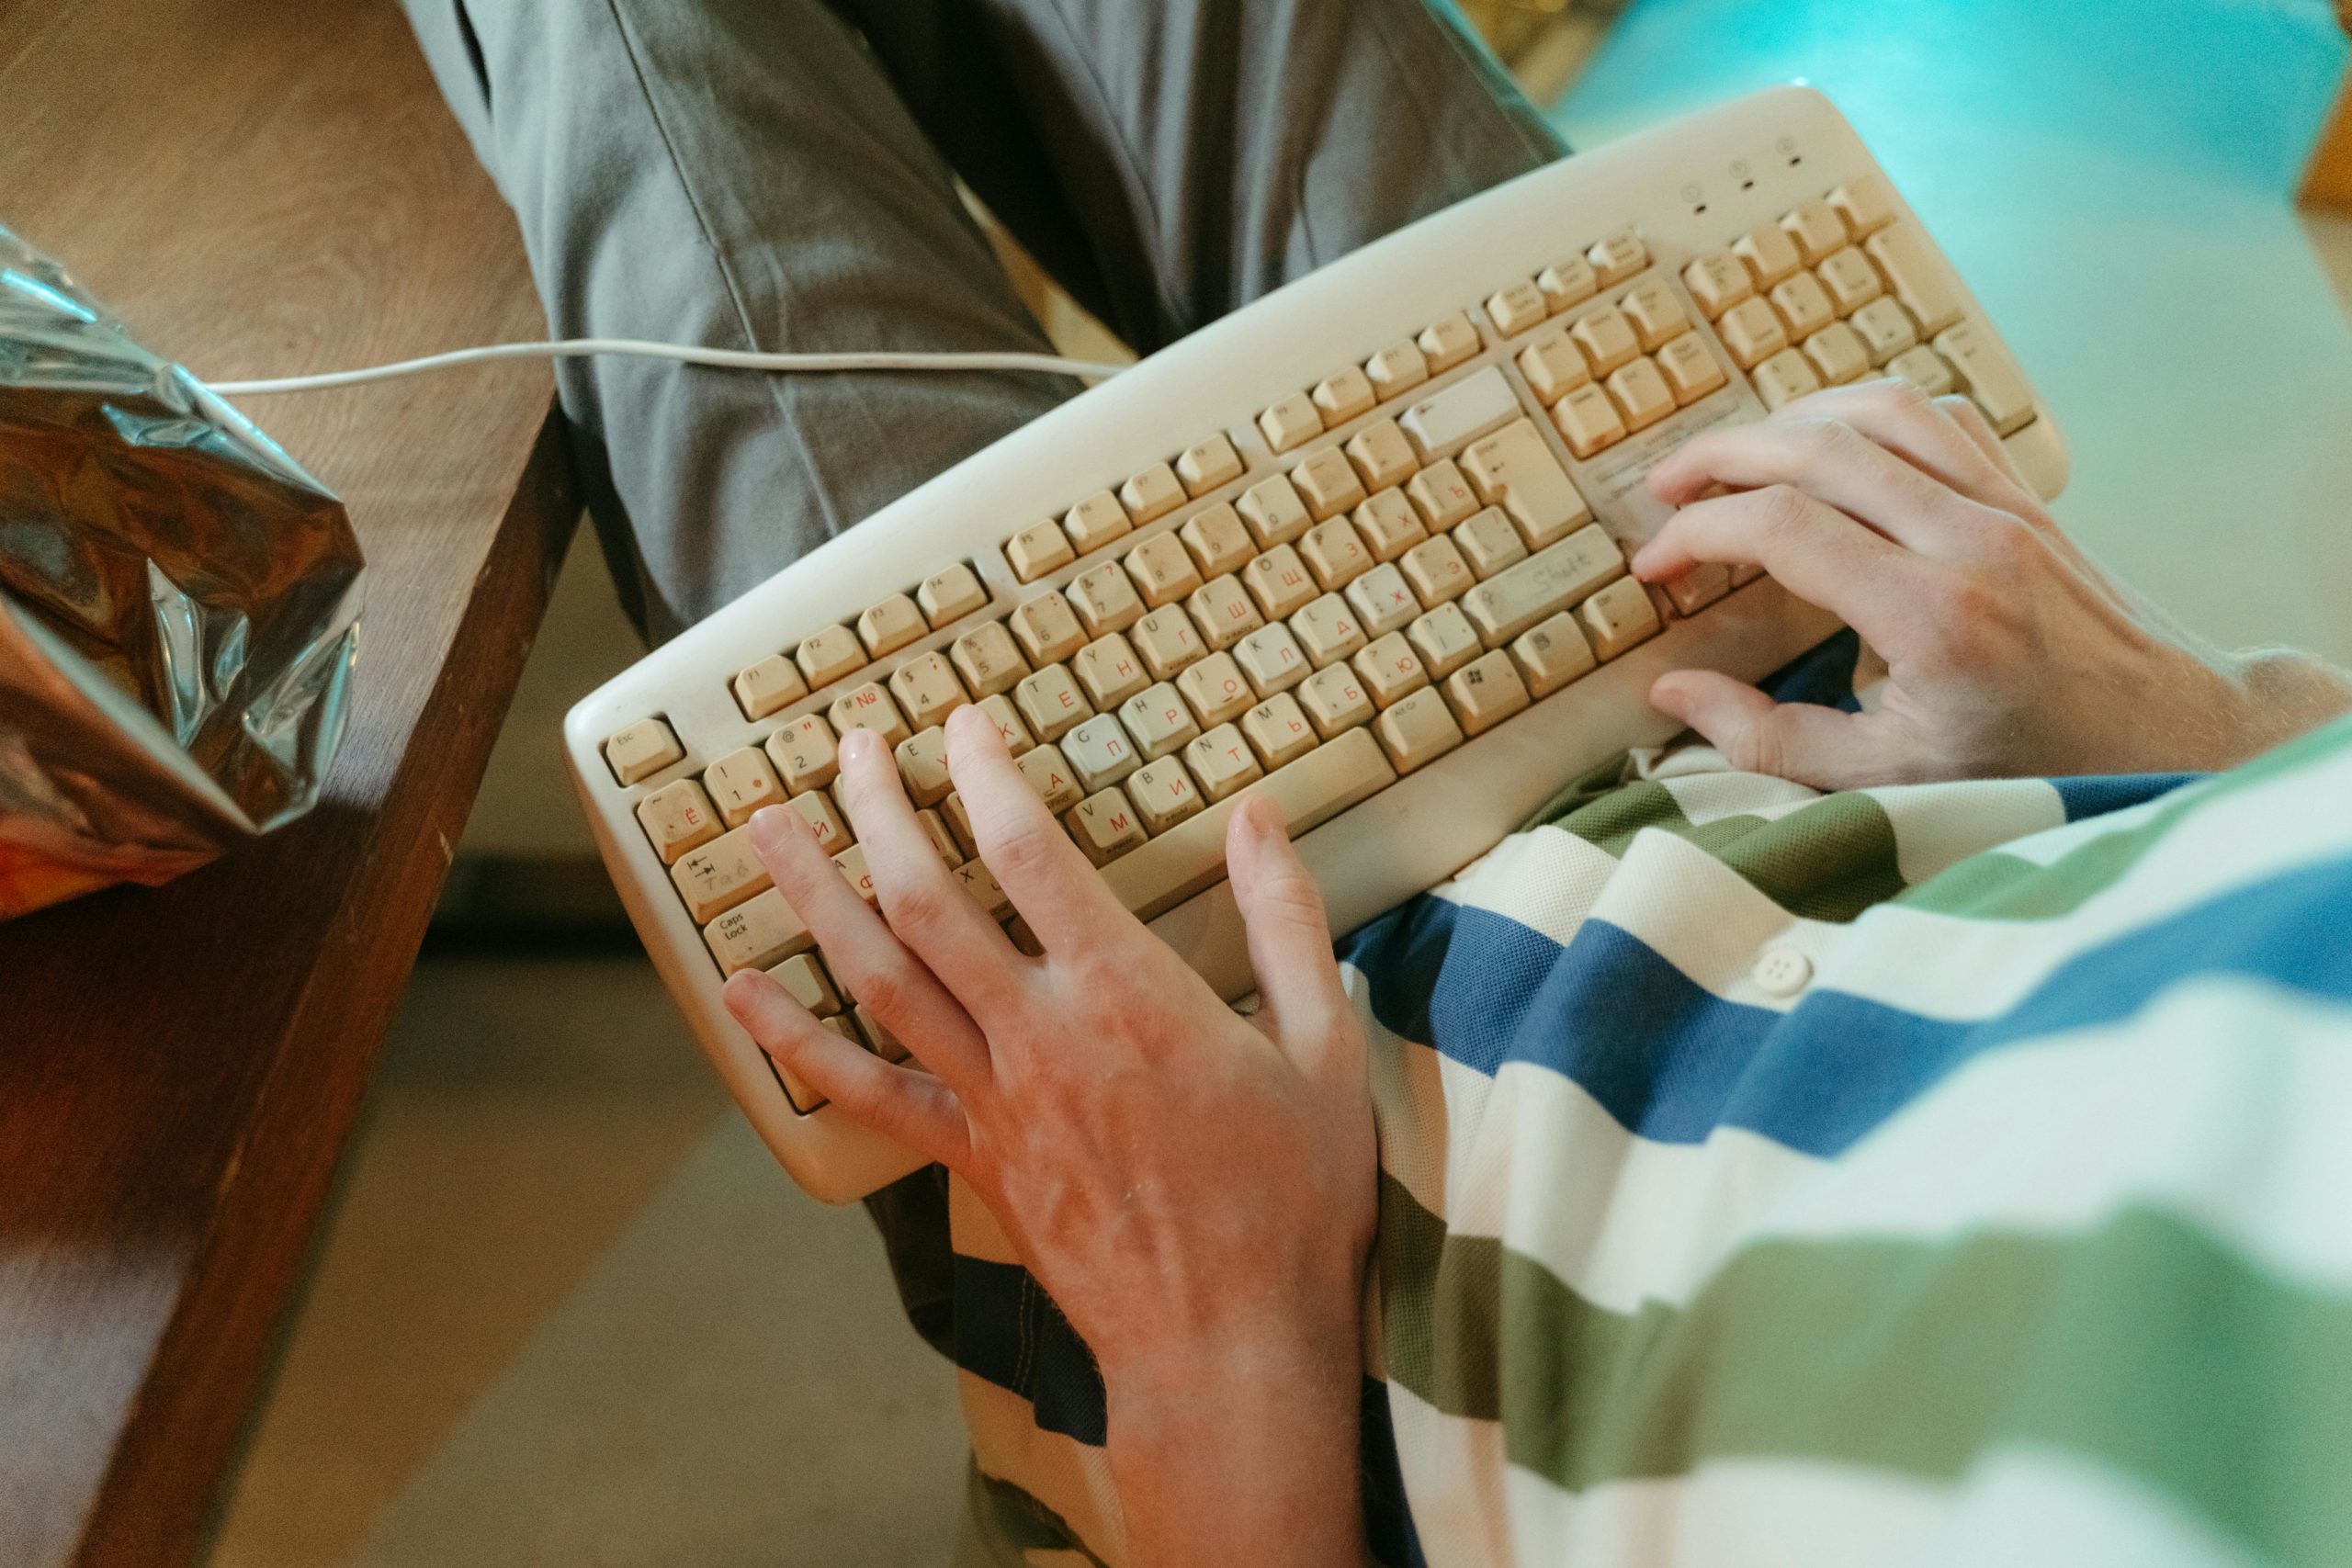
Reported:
(2114, 180)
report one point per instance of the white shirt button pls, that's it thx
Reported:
(1783, 972)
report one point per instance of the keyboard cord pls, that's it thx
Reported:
(720, 358)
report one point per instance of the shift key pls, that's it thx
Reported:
(1515, 470)
(1543, 584)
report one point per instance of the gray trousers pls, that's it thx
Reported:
(779, 174)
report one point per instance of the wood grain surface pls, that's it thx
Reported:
(258, 187)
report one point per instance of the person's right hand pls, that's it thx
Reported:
(2008, 651)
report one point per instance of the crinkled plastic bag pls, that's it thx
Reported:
(179, 604)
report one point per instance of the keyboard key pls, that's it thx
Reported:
(1280, 582)
(1038, 549)
(1618, 616)
(1442, 495)
(1054, 779)
(1224, 613)
(2000, 391)
(774, 682)
(1641, 394)
(1448, 343)
(1048, 629)
(1110, 670)
(741, 782)
(1656, 313)
(1803, 305)
(1273, 659)
(1397, 369)
(1607, 338)
(1691, 370)
(830, 655)
(1095, 522)
(1105, 599)
(1785, 378)
(1208, 465)
(942, 839)
(803, 752)
(1189, 855)
(1051, 702)
(1278, 731)
(1343, 396)
(1551, 654)
(1699, 587)
(890, 625)
(1417, 730)
(1218, 542)
(1335, 553)
(1274, 511)
(980, 885)
(1221, 763)
(1388, 526)
(1769, 253)
(642, 751)
(760, 935)
(1008, 727)
(1168, 641)
(1151, 494)
(1105, 826)
(922, 767)
(826, 823)
(1164, 794)
(1838, 354)
(1718, 280)
(1514, 469)
(1554, 580)
(1618, 257)
(1924, 368)
(1753, 330)
(1488, 541)
(805, 980)
(1099, 753)
(1910, 262)
(1816, 228)
(1327, 481)
(852, 861)
(1391, 670)
(960, 827)
(1436, 571)
(718, 875)
(1850, 279)
(1327, 630)
(1384, 600)
(1587, 421)
(1484, 692)
(1567, 284)
(1554, 367)
(1865, 203)
(1444, 420)
(1216, 690)
(869, 707)
(1516, 308)
(1292, 421)
(1445, 639)
(1162, 569)
(678, 817)
(1334, 699)
(1381, 455)
(927, 690)
(1885, 329)
(988, 660)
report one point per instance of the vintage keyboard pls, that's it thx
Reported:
(1360, 546)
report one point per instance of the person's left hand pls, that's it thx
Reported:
(1195, 1190)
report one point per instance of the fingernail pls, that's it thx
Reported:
(770, 823)
(857, 742)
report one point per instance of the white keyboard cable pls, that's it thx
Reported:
(720, 358)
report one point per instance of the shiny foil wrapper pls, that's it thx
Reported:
(179, 605)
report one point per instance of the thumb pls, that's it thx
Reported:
(1290, 936)
(1803, 742)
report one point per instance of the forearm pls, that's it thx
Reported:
(1241, 1454)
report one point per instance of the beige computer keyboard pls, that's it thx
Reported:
(1359, 546)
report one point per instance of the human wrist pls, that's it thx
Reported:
(2278, 694)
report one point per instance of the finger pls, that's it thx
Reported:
(928, 909)
(1803, 742)
(1057, 891)
(914, 1108)
(1289, 934)
(863, 953)
(1963, 412)
(1921, 431)
(1820, 554)
(1827, 459)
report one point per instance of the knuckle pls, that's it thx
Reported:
(1780, 513)
(916, 906)
(1756, 749)
(1288, 894)
(884, 987)
(1023, 849)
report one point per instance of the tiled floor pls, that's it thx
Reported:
(568, 1312)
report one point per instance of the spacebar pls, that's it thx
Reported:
(1190, 855)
